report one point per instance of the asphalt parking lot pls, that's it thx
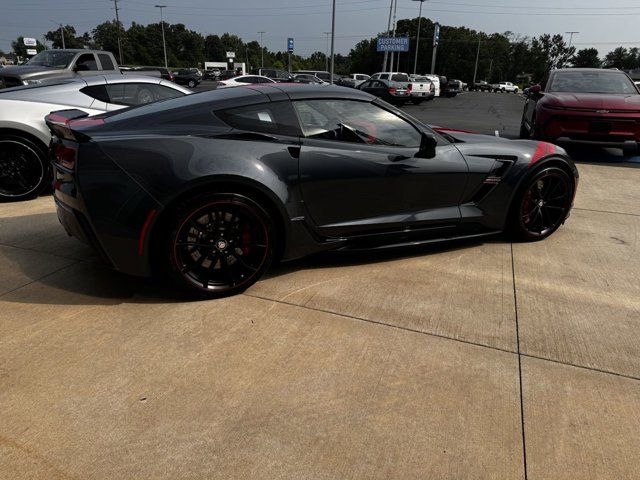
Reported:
(469, 360)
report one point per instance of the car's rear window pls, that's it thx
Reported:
(605, 81)
(272, 117)
(400, 77)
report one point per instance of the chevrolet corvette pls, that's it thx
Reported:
(212, 188)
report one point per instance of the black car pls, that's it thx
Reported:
(448, 88)
(274, 74)
(164, 73)
(210, 189)
(227, 74)
(393, 92)
(191, 77)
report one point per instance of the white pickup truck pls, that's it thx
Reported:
(421, 89)
(505, 87)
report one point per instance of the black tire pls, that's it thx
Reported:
(217, 245)
(24, 169)
(541, 204)
(191, 84)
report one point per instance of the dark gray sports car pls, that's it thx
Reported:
(211, 188)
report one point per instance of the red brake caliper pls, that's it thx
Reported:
(246, 240)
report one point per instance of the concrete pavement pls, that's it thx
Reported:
(457, 361)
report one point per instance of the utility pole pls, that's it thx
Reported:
(395, 8)
(490, 67)
(115, 3)
(326, 53)
(333, 39)
(415, 60)
(261, 50)
(164, 43)
(475, 70)
(386, 54)
(62, 35)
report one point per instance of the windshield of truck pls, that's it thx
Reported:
(52, 58)
(400, 77)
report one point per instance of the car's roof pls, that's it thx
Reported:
(587, 70)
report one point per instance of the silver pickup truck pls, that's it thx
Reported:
(421, 89)
(55, 64)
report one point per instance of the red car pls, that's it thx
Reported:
(584, 106)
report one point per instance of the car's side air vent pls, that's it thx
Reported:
(495, 176)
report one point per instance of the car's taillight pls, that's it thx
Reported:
(409, 87)
(66, 156)
(171, 76)
(392, 90)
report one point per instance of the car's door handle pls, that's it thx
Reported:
(294, 152)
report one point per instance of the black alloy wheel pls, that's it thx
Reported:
(24, 171)
(543, 204)
(220, 246)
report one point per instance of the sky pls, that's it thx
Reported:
(603, 24)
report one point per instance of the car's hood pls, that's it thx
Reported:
(593, 101)
(27, 70)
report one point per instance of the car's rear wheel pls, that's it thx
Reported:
(191, 84)
(219, 245)
(24, 170)
(542, 204)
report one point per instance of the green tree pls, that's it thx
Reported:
(70, 38)
(587, 58)
(622, 59)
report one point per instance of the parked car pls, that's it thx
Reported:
(161, 72)
(54, 64)
(227, 74)
(244, 80)
(191, 77)
(454, 87)
(273, 73)
(419, 90)
(321, 74)
(586, 106)
(482, 86)
(283, 171)
(24, 136)
(434, 79)
(211, 74)
(422, 88)
(307, 78)
(358, 78)
(395, 93)
(448, 89)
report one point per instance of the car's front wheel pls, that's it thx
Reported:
(218, 245)
(191, 84)
(24, 170)
(542, 204)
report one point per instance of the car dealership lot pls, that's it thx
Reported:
(449, 361)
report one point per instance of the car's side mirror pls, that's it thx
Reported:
(535, 90)
(428, 144)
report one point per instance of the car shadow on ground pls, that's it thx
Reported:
(603, 156)
(88, 281)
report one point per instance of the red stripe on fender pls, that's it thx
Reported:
(542, 150)
(145, 229)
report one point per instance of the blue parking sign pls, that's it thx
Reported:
(290, 44)
(393, 44)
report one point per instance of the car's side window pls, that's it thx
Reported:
(105, 61)
(275, 117)
(356, 122)
(86, 62)
(98, 92)
(131, 94)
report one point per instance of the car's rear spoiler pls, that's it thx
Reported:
(65, 123)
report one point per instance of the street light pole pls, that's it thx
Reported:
(261, 50)
(62, 34)
(415, 60)
(395, 8)
(326, 53)
(164, 43)
(386, 54)
(570, 37)
(333, 38)
(475, 70)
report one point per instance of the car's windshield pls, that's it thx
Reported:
(52, 58)
(606, 81)
(400, 77)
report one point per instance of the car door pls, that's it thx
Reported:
(359, 171)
